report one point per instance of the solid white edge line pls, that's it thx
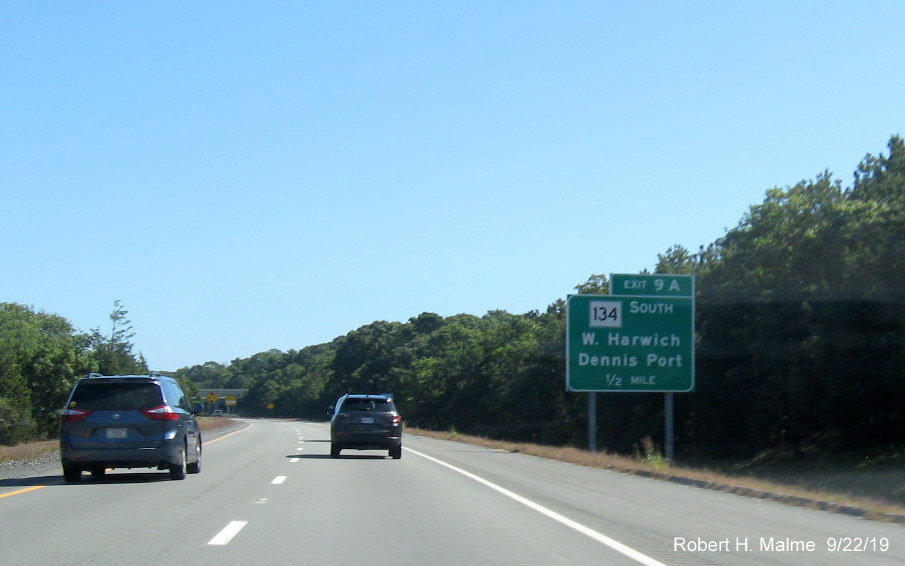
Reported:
(587, 531)
(227, 534)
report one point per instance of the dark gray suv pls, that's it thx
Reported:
(128, 421)
(366, 422)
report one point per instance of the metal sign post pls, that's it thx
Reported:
(592, 422)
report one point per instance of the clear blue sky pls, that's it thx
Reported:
(256, 175)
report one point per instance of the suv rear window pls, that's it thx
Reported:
(379, 405)
(116, 396)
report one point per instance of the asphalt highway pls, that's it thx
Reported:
(269, 494)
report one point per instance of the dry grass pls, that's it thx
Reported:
(213, 423)
(773, 488)
(29, 451)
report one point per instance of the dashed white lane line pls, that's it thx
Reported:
(293, 460)
(587, 531)
(227, 534)
(232, 529)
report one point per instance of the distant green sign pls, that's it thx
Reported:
(632, 343)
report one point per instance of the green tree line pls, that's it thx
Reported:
(800, 327)
(41, 356)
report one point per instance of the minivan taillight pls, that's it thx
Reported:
(73, 415)
(161, 413)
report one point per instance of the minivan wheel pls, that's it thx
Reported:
(71, 474)
(195, 467)
(178, 470)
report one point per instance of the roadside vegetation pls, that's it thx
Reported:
(28, 451)
(41, 356)
(800, 324)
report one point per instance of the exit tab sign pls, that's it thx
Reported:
(640, 338)
(652, 285)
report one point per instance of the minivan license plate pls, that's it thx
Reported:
(116, 433)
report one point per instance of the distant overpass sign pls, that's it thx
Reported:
(640, 338)
(222, 393)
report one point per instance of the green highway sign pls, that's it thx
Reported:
(632, 343)
(652, 285)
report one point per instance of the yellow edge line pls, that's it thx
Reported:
(225, 436)
(26, 490)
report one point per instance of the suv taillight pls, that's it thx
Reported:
(161, 413)
(396, 419)
(73, 415)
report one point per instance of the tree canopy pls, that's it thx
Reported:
(41, 355)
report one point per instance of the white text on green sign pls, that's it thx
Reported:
(623, 343)
(652, 285)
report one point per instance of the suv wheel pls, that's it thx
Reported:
(178, 470)
(334, 450)
(396, 452)
(71, 474)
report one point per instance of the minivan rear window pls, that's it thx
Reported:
(116, 396)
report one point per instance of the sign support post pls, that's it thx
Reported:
(669, 440)
(592, 421)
